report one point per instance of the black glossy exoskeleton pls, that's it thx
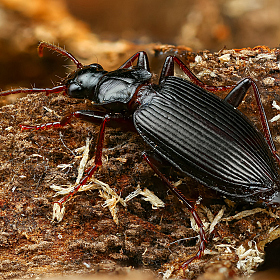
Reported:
(201, 135)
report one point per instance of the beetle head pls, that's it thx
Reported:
(82, 82)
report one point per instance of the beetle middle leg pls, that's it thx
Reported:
(150, 160)
(168, 70)
(143, 61)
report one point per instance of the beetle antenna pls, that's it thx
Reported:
(68, 67)
(60, 50)
(60, 78)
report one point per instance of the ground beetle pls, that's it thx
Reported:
(201, 135)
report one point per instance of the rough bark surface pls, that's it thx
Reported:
(88, 240)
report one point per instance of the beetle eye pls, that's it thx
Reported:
(75, 90)
(96, 66)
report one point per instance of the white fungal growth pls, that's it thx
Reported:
(268, 81)
(277, 107)
(225, 58)
(216, 220)
(168, 273)
(198, 59)
(208, 225)
(249, 259)
(105, 191)
(58, 212)
(83, 162)
(265, 56)
(148, 196)
(245, 213)
(152, 198)
(111, 202)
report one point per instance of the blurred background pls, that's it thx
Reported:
(199, 24)
(109, 31)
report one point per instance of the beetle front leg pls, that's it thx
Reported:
(190, 207)
(168, 70)
(47, 91)
(89, 116)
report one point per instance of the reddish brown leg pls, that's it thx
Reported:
(236, 96)
(142, 62)
(97, 161)
(264, 119)
(34, 90)
(168, 70)
(60, 50)
(90, 116)
(190, 207)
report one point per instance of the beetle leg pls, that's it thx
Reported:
(236, 96)
(89, 116)
(168, 70)
(48, 91)
(263, 118)
(97, 161)
(190, 207)
(143, 61)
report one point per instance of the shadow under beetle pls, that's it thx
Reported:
(201, 135)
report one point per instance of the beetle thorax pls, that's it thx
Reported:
(120, 85)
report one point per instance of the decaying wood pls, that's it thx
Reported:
(88, 240)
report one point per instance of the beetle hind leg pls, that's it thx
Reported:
(190, 207)
(236, 96)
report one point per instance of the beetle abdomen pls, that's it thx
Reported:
(207, 139)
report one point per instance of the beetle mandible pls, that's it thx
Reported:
(201, 135)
